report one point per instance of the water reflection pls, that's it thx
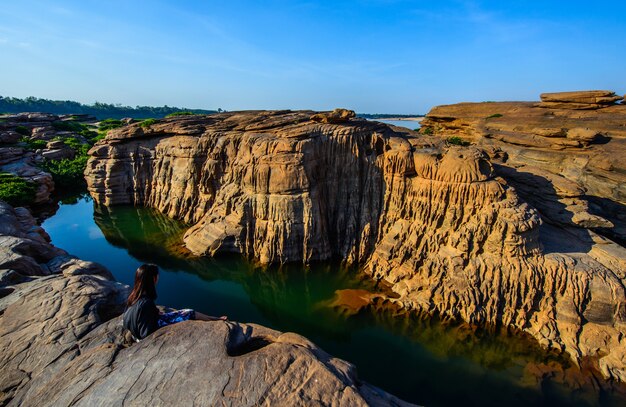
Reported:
(422, 360)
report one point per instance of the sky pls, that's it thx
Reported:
(372, 56)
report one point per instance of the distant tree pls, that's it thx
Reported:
(98, 109)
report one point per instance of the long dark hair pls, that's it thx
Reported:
(144, 283)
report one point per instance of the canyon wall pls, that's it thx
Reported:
(443, 225)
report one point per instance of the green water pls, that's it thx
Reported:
(420, 360)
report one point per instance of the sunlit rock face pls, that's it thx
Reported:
(567, 160)
(441, 224)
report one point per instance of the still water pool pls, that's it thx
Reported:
(409, 124)
(420, 360)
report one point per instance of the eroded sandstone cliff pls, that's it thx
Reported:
(441, 224)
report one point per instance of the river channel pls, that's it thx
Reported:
(421, 360)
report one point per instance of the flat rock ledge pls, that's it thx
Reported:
(61, 343)
(579, 100)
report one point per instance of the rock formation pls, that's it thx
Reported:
(457, 231)
(61, 343)
(336, 116)
(29, 139)
(590, 99)
(567, 163)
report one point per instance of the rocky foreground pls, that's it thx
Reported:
(513, 230)
(61, 343)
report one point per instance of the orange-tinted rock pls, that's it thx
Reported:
(336, 116)
(587, 96)
(441, 224)
(540, 146)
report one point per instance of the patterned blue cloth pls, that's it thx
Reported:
(169, 318)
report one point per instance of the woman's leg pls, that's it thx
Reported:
(203, 317)
(169, 318)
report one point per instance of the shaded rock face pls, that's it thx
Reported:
(442, 225)
(61, 343)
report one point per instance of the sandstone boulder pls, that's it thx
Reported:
(588, 96)
(336, 116)
(591, 99)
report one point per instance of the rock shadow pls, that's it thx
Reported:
(557, 233)
(613, 211)
(242, 341)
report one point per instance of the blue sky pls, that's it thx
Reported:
(370, 56)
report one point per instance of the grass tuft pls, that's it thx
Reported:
(458, 141)
(16, 191)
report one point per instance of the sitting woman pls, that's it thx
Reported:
(142, 317)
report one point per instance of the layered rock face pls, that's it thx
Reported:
(61, 343)
(568, 163)
(591, 99)
(274, 186)
(441, 224)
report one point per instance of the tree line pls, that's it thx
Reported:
(98, 109)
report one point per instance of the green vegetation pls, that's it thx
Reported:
(24, 131)
(493, 116)
(31, 144)
(104, 126)
(109, 124)
(76, 127)
(99, 110)
(147, 122)
(77, 145)
(67, 173)
(99, 137)
(69, 125)
(186, 113)
(15, 190)
(427, 130)
(457, 141)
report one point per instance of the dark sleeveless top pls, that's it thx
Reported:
(141, 318)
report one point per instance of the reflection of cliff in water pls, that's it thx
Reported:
(282, 293)
(297, 298)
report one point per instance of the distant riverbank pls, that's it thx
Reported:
(408, 122)
(414, 119)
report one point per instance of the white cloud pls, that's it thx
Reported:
(95, 233)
